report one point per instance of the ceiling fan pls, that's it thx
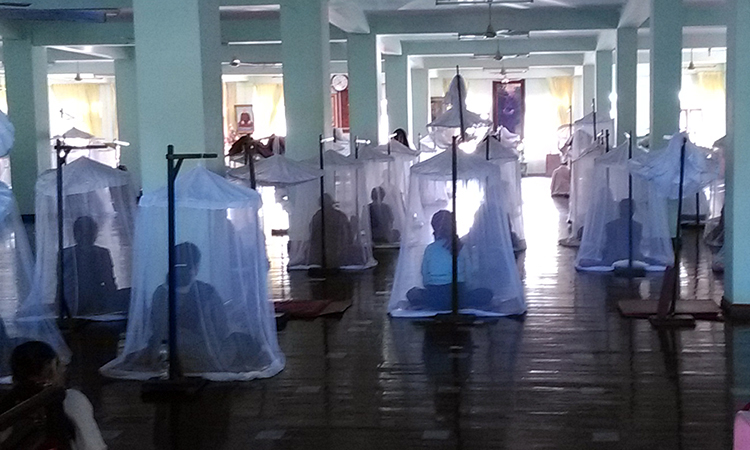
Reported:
(236, 62)
(490, 32)
(499, 56)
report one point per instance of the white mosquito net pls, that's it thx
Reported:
(16, 272)
(713, 232)
(98, 220)
(226, 328)
(348, 244)
(662, 167)
(581, 181)
(624, 215)
(505, 156)
(489, 282)
(7, 135)
(282, 184)
(386, 169)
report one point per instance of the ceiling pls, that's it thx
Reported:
(560, 32)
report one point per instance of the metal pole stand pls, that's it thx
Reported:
(630, 271)
(65, 319)
(176, 385)
(323, 271)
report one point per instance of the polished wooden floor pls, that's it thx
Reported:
(572, 374)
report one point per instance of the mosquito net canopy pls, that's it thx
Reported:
(504, 155)
(581, 184)
(348, 243)
(98, 220)
(714, 229)
(627, 221)
(386, 169)
(489, 283)
(16, 265)
(226, 328)
(662, 167)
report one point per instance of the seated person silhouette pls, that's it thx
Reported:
(89, 280)
(205, 342)
(437, 272)
(617, 247)
(381, 219)
(339, 238)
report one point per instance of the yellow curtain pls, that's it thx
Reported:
(267, 102)
(229, 93)
(82, 102)
(711, 81)
(561, 89)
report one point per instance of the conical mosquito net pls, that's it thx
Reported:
(348, 244)
(386, 169)
(581, 180)
(489, 282)
(226, 328)
(506, 157)
(98, 221)
(16, 266)
(627, 221)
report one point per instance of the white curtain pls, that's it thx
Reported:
(540, 124)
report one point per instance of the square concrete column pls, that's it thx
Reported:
(396, 69)
(178, 72)
(364, 67)
(126, 93)
(306, 55)
(627, 80)
(603, 83)
(589, 88)
(666, 69)
(28, 110)
(420, 103)
(737, 209)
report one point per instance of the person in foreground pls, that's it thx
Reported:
(437, 272)
(69, 422)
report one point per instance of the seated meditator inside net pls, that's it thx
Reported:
(339, 238)
(206, 343)
(437, 272)
(382, 219)
(618, 235)
(88, 274)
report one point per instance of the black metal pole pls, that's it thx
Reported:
(250, 164)
(356, 147)
(175, 371)
(593, 114)
(630, 204)
(678, 234)
(454, 231)
(62, 155)
(460, 106)
(487, 148)
(323, 259)
(175, 368)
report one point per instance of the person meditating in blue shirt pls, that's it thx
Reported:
(437, 272)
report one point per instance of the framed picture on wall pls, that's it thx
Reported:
(245, 119)
(509, 105)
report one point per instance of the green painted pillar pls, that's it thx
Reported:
(364, 67)
(306, 55)
(589, 88)
(627, 79)
(28, 110)
(420, 103)
(178, 73)
(737, 212)
(666, 69)
(396, 69)
(126, 93)
(603, 83)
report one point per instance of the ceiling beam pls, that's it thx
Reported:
(635, 13)
(550, 60)
(510, 46)
(271, 53)
(474, 20)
